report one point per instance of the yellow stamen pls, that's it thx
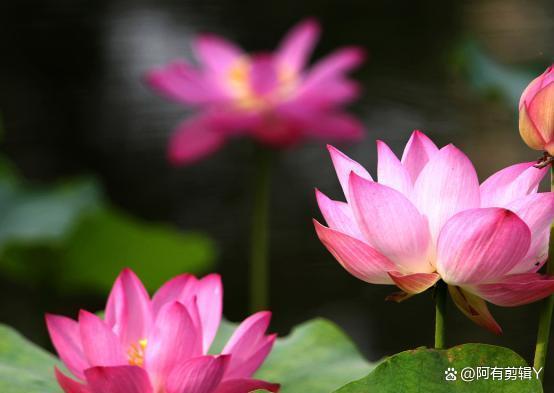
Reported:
(238, 78)
(135, 354)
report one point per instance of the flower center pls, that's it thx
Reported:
(135, 353)
(238, 78)
(239, 81)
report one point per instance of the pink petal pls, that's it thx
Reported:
(537, 254)
(356, 256)
(194, 139)
(391, 224)
(417, 153)
(179, 81)
(338, 215)
(511, 183)
(541, 111)
(186, 297)
(123, 379)
(216, 53)
(326, 94)
(390, 171)
(298, 44)
(278, 131)
(302, 120)
(100, 345)
(209, 294)
(191, 305)
(199, 375)
(474, 308)
(180, 288)
(447, 185)
(209, 297)
(537, 211)
(129, 311)
(69, 385)
(516, 290)
(249, 346)
(174, 340)
(246, 385)
(481, 245)
(335, 65)
(343, 166)
(332, 126)
(414, 283)
(66, 337)
(245, 367)
(263, 75)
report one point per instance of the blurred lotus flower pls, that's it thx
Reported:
(536, 113)
(269, 96)
(160, 345)
(427, 218)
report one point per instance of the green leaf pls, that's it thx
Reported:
(66, 237)
(24, 367)
(43, 215)
(107, 241)
(423, 370)
(317, 357)
(101, 245)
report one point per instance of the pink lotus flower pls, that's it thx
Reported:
(536, 113)
(427, 218)
(160, 345)
(270, 96)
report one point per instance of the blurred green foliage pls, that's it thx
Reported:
(67, 237)
(489, 77)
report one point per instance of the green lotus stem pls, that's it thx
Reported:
(545, 318)
(259, 264)
(440, 314)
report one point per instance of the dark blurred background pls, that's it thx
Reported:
(73, 102)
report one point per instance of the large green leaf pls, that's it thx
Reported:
(42, 215)
(68, 237)
(104, 242)
(24, 367)
(317, 357)
(425, 370)
(107, 241)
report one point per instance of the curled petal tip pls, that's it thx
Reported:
(127, 271)
(212, 276)
(357, 53)
(264, 314)
(398, 297)
(414, 283)
(331, 148)
(475, 308)
(311, 23)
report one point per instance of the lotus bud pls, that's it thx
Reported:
(536, 113)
